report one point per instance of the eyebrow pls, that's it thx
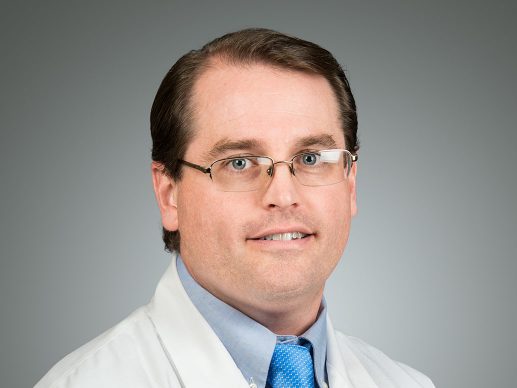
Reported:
(324, 140)
(224, 145)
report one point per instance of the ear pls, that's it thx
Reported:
(165, 190)
(352, 189)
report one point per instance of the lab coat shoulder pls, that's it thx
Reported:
(127, 355)
(386, 373)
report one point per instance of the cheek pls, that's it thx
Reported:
(338, 215)
(194, 215)
(207, 222)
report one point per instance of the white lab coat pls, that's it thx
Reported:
(169, 344)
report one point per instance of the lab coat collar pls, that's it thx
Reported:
(344, 369)
(197, 356)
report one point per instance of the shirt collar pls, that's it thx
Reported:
(250, 344)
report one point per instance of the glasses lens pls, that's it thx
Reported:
(246, 173)
(320, 168)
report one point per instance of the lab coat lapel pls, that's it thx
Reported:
(344, 369)
(196, 354)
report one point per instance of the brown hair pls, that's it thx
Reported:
(171, 111)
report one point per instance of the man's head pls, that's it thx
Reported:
(171, 114)
(254, 93)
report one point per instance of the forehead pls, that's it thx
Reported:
(275, 108)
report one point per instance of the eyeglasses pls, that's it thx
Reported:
(249, 172)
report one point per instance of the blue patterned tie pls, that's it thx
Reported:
(291, 367)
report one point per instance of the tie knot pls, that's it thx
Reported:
(291, 367)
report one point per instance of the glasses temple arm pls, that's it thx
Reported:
(205, 170)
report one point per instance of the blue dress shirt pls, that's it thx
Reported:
(250, 344)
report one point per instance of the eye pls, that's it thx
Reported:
(239, 164)
(310, 159)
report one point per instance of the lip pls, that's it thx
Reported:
(297, 245)
(284, 229)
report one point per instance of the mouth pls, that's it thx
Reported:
(289, 235)
(283, 236)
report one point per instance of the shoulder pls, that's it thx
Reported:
(384, 370)
(118, 357)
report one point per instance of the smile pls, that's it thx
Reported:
(284, 236)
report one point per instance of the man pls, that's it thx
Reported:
(254, 170)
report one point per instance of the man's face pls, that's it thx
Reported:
(270, 112)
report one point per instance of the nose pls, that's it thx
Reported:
(282, 190)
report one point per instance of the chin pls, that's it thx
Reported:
(283, 288)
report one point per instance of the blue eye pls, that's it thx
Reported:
(239, 164)
(310, 159)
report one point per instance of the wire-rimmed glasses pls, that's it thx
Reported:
(251, 172)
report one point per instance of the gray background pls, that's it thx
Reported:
(429, 275)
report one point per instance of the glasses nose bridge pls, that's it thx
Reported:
(289, 164)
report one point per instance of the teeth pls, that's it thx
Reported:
(284, 236)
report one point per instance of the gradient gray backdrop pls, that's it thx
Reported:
(429, 275)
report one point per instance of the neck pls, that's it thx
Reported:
(287, 314)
